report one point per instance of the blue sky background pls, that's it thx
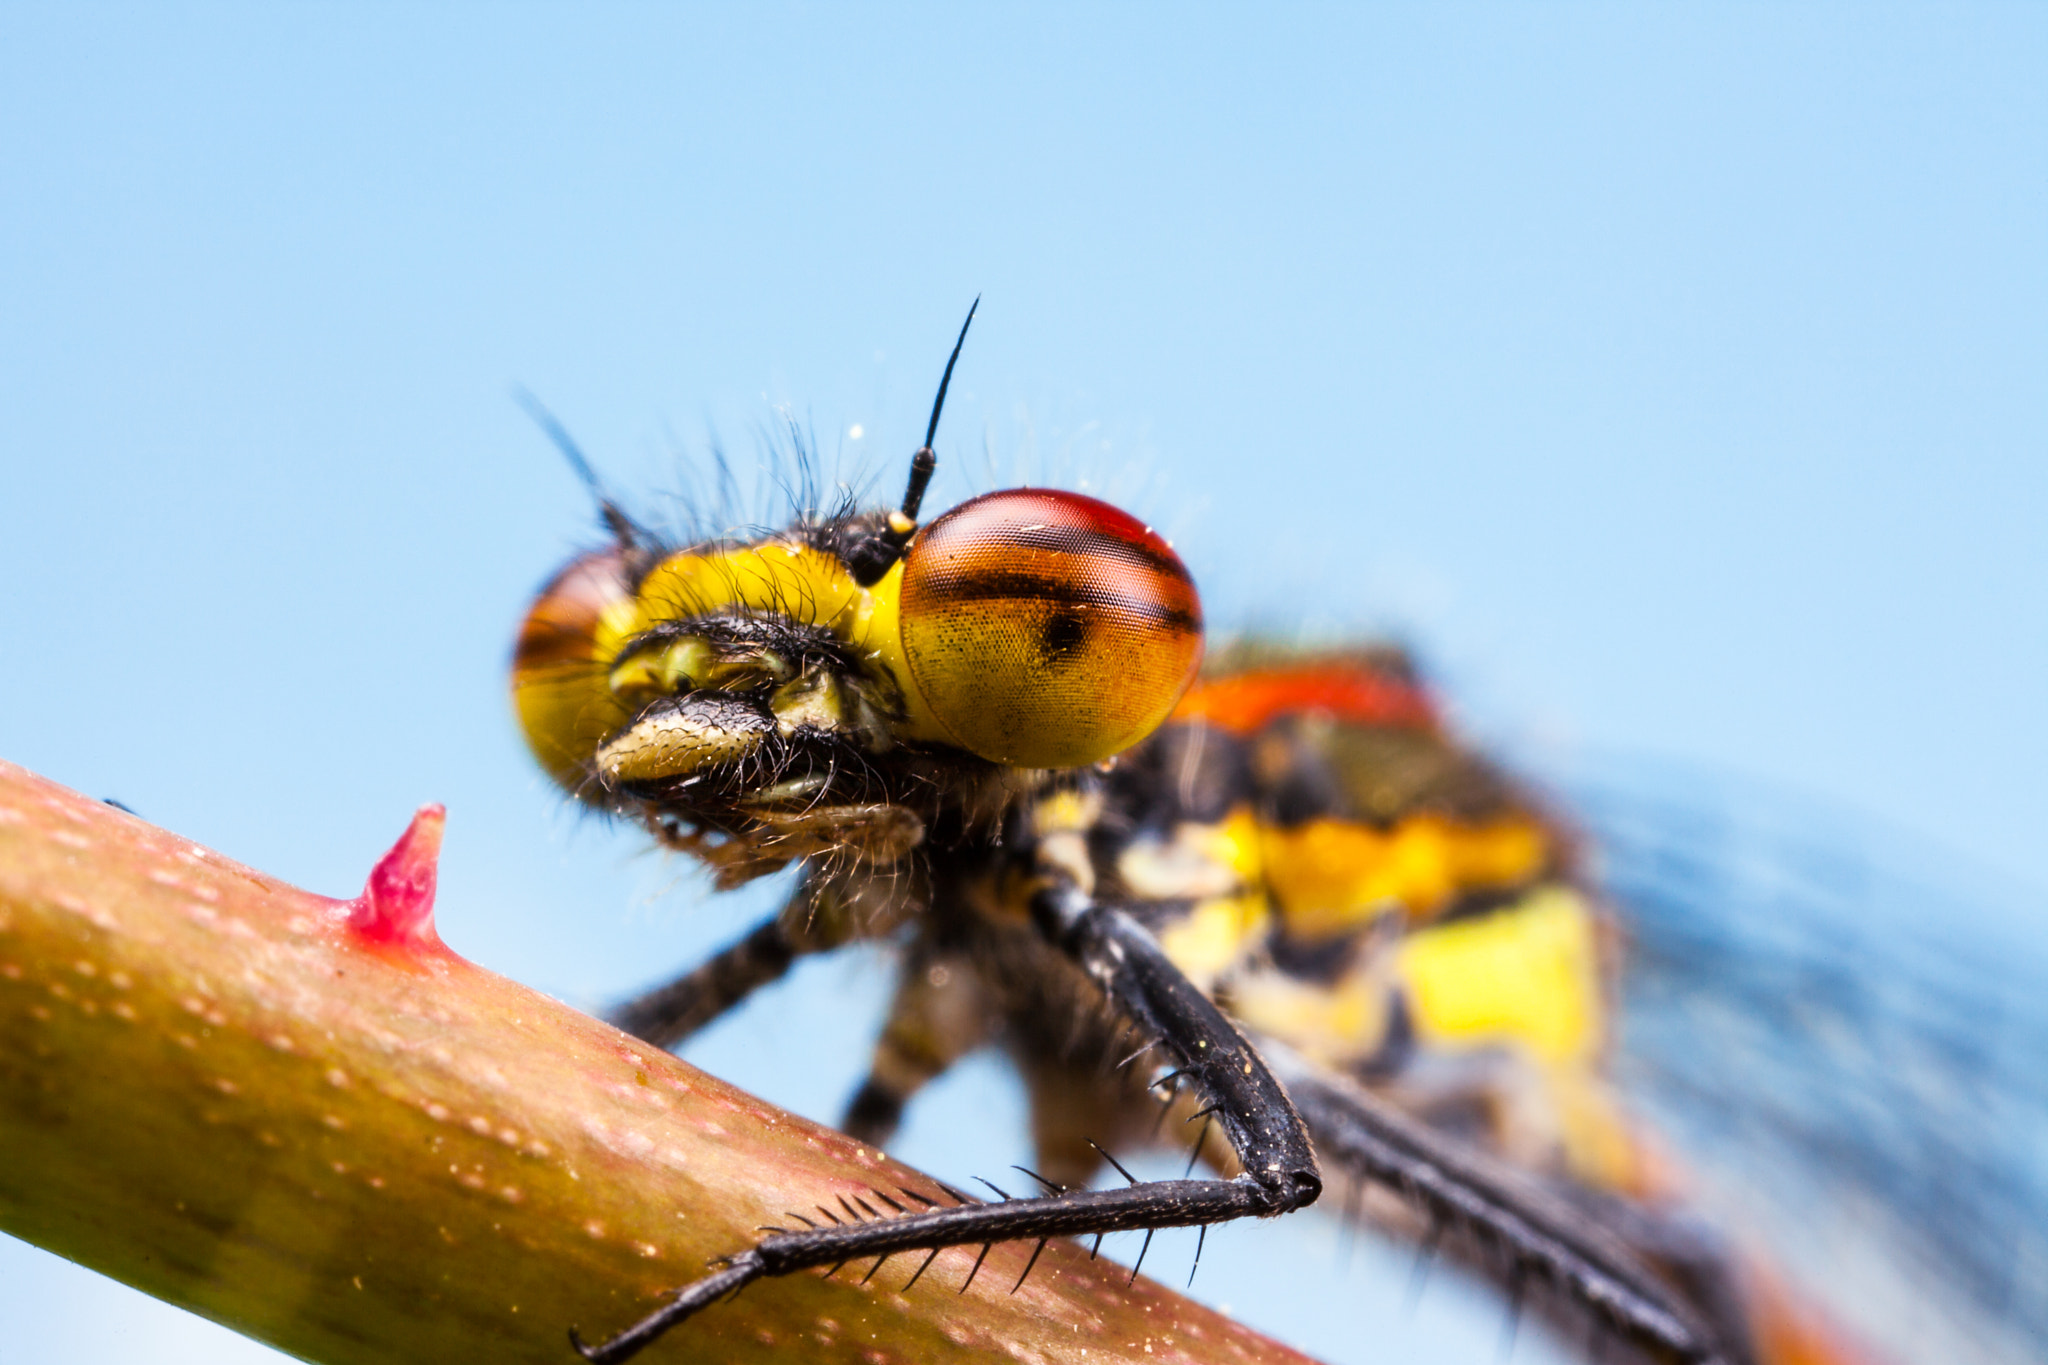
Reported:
(1675, 377)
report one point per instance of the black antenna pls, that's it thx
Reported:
(623, 528)
(877, 553)
(924, 461)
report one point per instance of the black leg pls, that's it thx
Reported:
(1694, 1256)
(873, 1114)
(936, 1019)
(668, 1014)
(1529, 1233)
(1267, 1135)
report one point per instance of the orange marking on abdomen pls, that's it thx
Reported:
(1245, 703)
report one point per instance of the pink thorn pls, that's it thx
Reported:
(397, 904)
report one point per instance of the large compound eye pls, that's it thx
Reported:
(1046, 629)
(559, 686)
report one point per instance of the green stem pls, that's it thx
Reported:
(309, 1120)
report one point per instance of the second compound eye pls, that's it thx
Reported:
(1047, 629)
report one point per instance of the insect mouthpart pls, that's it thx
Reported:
(676, 739)
(741, 709)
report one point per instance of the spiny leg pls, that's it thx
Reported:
(1264, 1131)
(1536, 1233)
(1361, 1133)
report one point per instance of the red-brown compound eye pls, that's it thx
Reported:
(559, 685)
(1047, 629)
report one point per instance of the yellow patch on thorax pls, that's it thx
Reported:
(1066, 810)
(1197, 861)
(1217, 867)
(1211, 938)
(1527, 975)
(1332, 877)
(1339, 1024)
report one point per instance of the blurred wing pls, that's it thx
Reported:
(1850, 1044)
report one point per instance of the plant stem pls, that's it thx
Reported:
(311, 1121)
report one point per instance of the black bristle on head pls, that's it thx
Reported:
(627, 532)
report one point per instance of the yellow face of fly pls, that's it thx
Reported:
(727, 682)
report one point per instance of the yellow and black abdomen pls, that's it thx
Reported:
(1351, 880)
